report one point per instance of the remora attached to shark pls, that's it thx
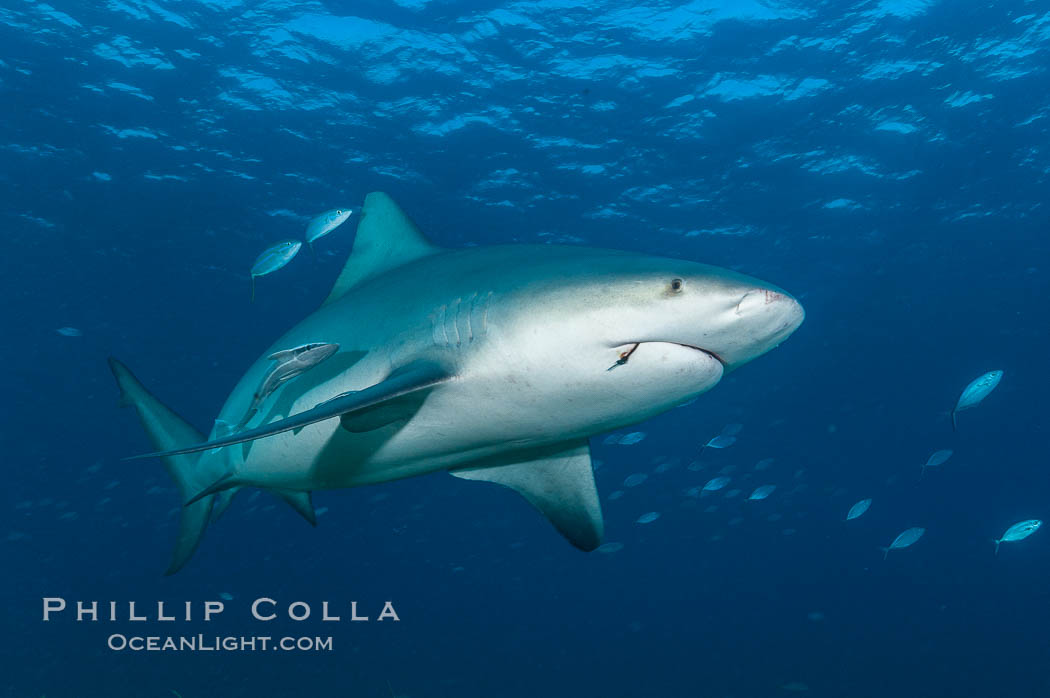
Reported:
(489, 362)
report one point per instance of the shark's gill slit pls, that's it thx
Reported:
(441, 321)
(436, 331)
(485, 313)
(467, 314)
(453, 318)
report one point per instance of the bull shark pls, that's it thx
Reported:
(492, 363)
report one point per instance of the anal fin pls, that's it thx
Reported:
(301, 502)
(560, 484)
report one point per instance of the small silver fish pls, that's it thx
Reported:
(720, 441)
(273, 258)
(325, 223)
(635, 480)
(715, 484)
(632, 438)
(290, 363)
(905, 539)
(936, 458)
(858, 509)
(1019, 531)
(976, 391)
(761, 493)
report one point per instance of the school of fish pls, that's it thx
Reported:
(974, 393)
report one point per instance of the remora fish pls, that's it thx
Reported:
(976, 391)
(325, 223)
(290, 363)
(489, 362)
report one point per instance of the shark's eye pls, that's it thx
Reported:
(676, 285)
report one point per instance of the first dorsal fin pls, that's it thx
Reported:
(386, 238)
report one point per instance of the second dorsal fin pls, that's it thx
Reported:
(386, 238)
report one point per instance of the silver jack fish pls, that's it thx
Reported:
(1019, 531)
(976, 391)
(325, 223)
(273, 258)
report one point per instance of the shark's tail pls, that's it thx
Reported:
(997, 542)
(885, 552)
(169, 431)
(955, 426)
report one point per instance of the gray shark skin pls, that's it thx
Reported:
(492, 363)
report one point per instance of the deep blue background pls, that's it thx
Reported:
(934, 272)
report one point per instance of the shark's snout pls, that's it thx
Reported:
(790, 312)
(782, 306)
(756, 300)
(762, 318)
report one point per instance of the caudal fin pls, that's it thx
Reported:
(997, 542)
(885, 553)
(168, 431)
(955, 427)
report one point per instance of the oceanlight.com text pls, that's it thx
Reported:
(217, 643)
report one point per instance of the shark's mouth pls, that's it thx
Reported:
(710, 353)
(625, 355)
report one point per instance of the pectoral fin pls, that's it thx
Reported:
(560, 485)
(396, 410)
(407, 380)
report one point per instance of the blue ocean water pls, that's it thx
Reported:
(885, 162)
